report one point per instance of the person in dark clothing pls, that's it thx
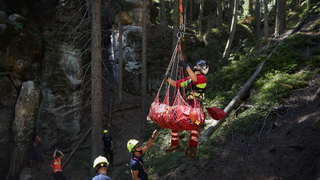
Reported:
(108, 146)
(191, 44)
(138, 170)
(36, 151)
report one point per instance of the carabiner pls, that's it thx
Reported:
(179, 35)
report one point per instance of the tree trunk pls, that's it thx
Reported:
(226, 52)
(211, 20)
(266, 28)
(185, 14)
(144, 68)
(120, 57)
(96, 95)
(280, 17)
(191, 2)
(200, 17)
(230, 10)
(257, 16)
(163, 18)
(250, 7)
(241, 8)
(219, 13)
(175, 24)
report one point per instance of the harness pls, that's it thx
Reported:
(56, 165)
(134, 158)
(190, 88)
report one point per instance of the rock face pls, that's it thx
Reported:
(59, 113)
(134, 16)
(19, 48)
(26, 73)
(8, 98)
(60, 80)
(132, 56)
(158, 57)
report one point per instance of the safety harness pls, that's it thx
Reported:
(194, 90)
(134, 158)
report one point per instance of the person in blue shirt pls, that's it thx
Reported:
(108, 146)
(100, 164)
(137, 167)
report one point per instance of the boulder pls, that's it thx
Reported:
(3, 16)
(26, 174)
(19, 49)
(17, 21)
(26, 112)
(23, 125)
(3, 28)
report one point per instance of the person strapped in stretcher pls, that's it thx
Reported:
(195, 84)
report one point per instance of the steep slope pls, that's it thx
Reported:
(285, 146)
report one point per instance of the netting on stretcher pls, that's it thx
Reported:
(179, 116)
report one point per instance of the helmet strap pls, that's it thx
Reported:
(136, 151)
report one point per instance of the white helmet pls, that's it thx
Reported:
(204, 67)
(100, 162)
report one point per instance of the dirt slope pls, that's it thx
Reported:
(287, 148)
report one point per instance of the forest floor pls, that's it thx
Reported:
(287, 147)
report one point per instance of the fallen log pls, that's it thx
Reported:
(67, 150)
(126, 108)
(214, 126)
(75, 149)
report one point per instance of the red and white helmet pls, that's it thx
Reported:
(204, 68)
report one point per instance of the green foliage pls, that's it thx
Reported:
(165, 163)
(316, 27)
(280, 69)
(293, 20)
(17, 25)
(314, 63)
(307, 7)
(274, 86)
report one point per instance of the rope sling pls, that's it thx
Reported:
(177, 115)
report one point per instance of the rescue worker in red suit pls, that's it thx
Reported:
(56, 165)
(194, 83)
